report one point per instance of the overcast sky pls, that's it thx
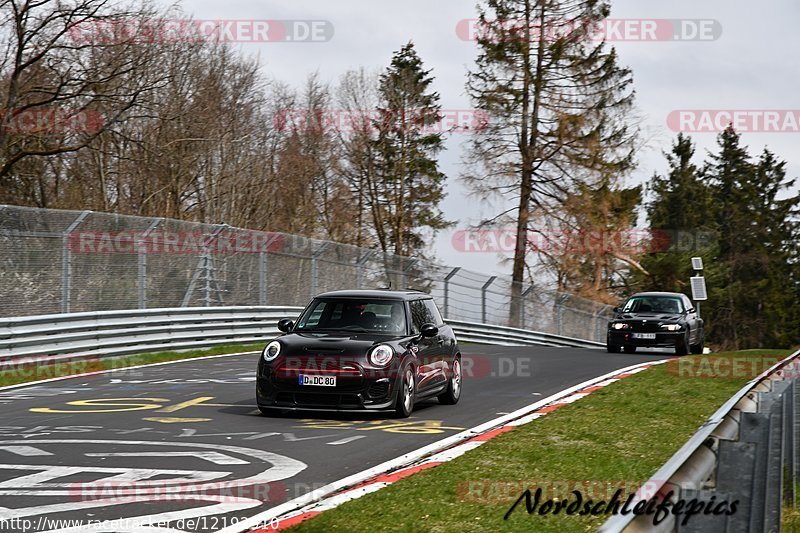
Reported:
(751, 65)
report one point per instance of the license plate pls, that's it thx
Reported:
(319, 381)
(650, 336)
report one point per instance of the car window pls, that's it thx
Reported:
(420, 314)
(351, 314)
(433, 311)
(654, 304)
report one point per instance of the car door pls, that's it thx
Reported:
(443, 341)
(692, 321)
(428, 357)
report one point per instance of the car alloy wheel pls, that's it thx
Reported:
(455, 380)
(405, 400)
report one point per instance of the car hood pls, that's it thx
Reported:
(669, 317)
(333, 343)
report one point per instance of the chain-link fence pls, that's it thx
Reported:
(56, 261)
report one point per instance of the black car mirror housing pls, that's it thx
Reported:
(428, 330)
(285, 325)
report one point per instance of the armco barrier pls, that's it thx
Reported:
(107, 333)
(747, 451)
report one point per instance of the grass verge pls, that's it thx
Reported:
(615, 438)
(14, 373)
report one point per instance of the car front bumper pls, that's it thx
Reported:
(276, 389)
(663, 339)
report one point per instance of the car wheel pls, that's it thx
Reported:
(629, 349)
(698, 348)
(406, 393)
(453, 392)
(610, 348)
(682, 346)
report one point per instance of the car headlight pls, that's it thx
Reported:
(671, 327)
(619, 325)
(271, 351)
(381, 355)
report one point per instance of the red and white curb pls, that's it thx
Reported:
(373, 479)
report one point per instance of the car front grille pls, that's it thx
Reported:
(311, 400)
(379, 389)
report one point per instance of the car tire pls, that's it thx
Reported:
(629, 349)
(404, 404)
(697, 349)
(610, 348)
(453, 392)
(682, 345)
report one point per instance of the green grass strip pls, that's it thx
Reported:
(615, 438)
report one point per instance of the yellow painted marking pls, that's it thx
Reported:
(171, 420)
(416, 427)
(110, 402)
(184, 405)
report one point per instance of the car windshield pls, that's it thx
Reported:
(653, 304)
(354, 315)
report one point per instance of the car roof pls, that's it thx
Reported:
(670, 294)
(375, 294)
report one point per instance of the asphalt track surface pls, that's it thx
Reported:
(183, 445)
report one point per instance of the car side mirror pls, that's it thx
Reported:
(690, 311)
(617, 310)
(285, 325)
(428, 330)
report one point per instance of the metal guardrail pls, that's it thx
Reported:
(108, 333)
(746, 451)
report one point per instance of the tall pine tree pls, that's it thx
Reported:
(559, 109)
(407, 185)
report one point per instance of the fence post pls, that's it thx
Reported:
(447, 279)
(408, 267)
(360, 264)
(483, 297)
(316, 253)
(522, 306)
(66, 262)
(141, 253)
(262, 278)
(560, 299)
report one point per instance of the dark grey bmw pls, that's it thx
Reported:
(361, 350)
(656, 320)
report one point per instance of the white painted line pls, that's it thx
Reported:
(346, 440)
(27, 451)
(212, 457)
(123, 368)
(416, 455)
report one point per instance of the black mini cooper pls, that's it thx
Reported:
(655, 320)
(361, 350)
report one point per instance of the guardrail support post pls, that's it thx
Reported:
(447, 279)
(774, 452)
(483, 297)
(66, 262)
(790, 443)
(703, 523)
(141, 253)
(735, 476)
